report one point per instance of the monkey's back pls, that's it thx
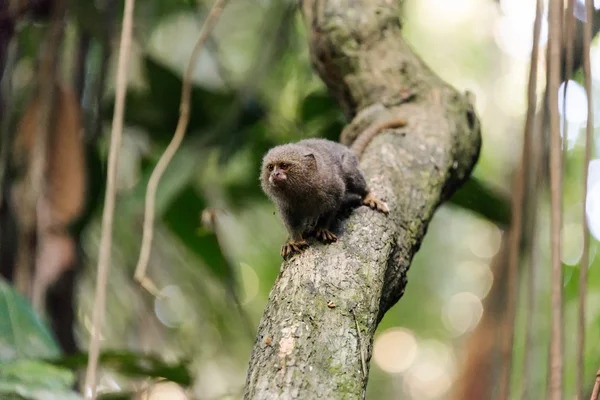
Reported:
(336, 152)
(345, 161)
(328, 183)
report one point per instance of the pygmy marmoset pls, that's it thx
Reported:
(312, 181)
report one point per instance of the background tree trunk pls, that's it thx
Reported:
(307, 344)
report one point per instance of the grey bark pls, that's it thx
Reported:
(307, 345)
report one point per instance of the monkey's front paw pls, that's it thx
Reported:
(293, 247)
(376, 204)
(326, 236)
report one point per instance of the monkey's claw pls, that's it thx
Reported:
(293, 247)
(326, 236)
(371, 201)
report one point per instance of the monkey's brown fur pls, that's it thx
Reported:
(311, 182)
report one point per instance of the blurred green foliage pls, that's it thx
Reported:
(24, 343)
(32, 368)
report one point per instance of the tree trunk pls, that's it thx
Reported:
(308, 346)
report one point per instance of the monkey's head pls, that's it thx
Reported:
(285, 168)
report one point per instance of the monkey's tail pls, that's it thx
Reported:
(365, 137)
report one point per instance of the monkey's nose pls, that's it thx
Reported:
(278, 176)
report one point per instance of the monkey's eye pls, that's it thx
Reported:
(270, 167)
(284, 166)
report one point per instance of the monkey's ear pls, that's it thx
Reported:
(309, 155)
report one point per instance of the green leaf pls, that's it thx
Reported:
(22, 333)
(24, 339)
(132, 365)
(31, 379)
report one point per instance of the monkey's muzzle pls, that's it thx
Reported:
(277, 177)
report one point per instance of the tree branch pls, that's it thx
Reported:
(305, 348)
(554, 51)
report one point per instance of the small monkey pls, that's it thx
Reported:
(313, 180)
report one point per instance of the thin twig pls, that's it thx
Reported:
(556, 335)
(569, 27)
(109, 200)
(537, 181)
(363, 360)
(517, 214)
(165, 159)
(583, 273)
(596, 390)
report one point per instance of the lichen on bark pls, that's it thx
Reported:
(307, 345)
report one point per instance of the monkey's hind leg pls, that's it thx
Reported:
(373, 202)
(357, 184)
(323, 233)
(350, 201)
(326, 236)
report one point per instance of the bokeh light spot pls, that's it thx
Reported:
(166, 390)
(576, 102)
(579, 9)
(448, 13)
(513, 31)
(428, 380)
(477, 275)
(395, 350)
(485, 241)
(572, 243)
(430, 376)
(171, 307)
(524, 8)
(595, 63)
(592, 205)
(593, 172)
(461, 313)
